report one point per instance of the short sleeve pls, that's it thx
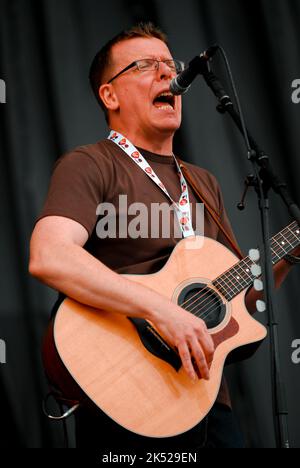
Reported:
(76, 189)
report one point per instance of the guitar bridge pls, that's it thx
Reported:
(155, 344)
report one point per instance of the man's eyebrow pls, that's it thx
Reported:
(155, 58)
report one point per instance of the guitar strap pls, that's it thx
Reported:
(210, 210)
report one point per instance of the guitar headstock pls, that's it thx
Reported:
(256, 271)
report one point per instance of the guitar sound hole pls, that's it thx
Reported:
(202, 301)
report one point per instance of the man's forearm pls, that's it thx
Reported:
(74, 272)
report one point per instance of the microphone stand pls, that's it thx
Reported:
(265, 180)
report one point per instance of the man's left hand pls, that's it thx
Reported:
(296, 252)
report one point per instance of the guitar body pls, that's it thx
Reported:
(105, 356)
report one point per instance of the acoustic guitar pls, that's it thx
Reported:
(129, 371)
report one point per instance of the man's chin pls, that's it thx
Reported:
(167, 125)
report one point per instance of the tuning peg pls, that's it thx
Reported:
(261, 306)
(256, 271)
(254, 255)
(258, 285)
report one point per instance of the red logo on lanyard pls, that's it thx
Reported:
(183, 202)
(184, 221)
(149, 170)
(123, 142)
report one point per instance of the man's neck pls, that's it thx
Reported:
(158, 144)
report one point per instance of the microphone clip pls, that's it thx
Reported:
(250, 181)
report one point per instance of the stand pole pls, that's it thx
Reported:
(266, 179)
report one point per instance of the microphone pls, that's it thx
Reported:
(182, 82)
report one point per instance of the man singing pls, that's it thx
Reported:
(130, 77)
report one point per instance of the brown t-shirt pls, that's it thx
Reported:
(95, 174)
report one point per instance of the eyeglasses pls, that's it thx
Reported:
(175, 66)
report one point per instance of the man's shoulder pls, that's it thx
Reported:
(203, 175)
(100, 151)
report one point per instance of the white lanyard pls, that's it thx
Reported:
(182, 208)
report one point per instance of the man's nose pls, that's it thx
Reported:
(164, 71)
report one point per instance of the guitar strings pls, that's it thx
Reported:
(207, 312)
(213, 300)
(287, 231)
(208, 291)
(213, 297)
(234, 267)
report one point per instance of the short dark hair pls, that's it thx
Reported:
(102, 59)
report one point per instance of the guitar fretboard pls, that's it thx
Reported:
(239, 277)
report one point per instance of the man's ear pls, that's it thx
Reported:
(109, 97)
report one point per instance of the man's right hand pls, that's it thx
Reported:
(190, 336)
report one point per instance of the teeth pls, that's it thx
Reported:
(168, 106)
(165, 94)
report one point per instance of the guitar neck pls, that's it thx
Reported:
(239, 277)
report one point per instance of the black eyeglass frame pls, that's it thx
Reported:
(136, 64)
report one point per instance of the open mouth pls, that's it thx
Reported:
(165, 100)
